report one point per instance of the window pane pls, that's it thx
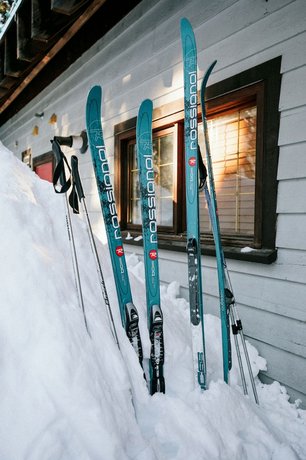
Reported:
(233, 149)
(163, 167)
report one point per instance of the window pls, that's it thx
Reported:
(235, 134)
(163, 159)
(243, 121)
(43, 166)
(233, 146)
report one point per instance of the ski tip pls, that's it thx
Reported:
(188, 40)
(147, 105)
(185, 23)
(207, 74)
(204, 86)
(96, 91)
(186, 28)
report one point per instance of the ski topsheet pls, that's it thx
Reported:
(192, 201)
(128, 312)
(225, 301)
(149, 232)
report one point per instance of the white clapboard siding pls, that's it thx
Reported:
(292, 161)
(289, 196)
(291, 231)
(292, 258)
(272, 328)
(288, 368)
(293, 92)
(294, 52)
(292, 126)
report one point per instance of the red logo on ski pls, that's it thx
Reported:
(192, 161)
(153, 254)
(119, 251)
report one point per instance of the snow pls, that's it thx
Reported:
(247, 249)
(66, 396)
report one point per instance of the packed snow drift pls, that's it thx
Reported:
(66, 395)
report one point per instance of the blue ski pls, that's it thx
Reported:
(213, 212)
(128, 311)
(228, 310)
(192, 201)
(149, 232)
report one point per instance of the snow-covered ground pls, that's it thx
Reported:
(66, 396)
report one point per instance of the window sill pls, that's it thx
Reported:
(178, 243)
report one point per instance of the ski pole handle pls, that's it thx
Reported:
(76, 176)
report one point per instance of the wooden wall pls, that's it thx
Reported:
(140, 58)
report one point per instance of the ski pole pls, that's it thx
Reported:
(227, 293)
(60, 175)
(238, 329)
(78, 188)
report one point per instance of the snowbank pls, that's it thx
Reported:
(68, 396)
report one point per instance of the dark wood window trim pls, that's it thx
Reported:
(264, 81)
(223, 105)
(268, 74)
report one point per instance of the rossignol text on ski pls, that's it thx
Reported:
(192, 201)
(149, 232)
(128, 311)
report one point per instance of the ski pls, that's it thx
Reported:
(128, 311)
(228, 310)
(224, 300)
(192, 201)
(150, 244)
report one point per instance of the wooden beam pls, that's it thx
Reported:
(88, 13)
(67, 7)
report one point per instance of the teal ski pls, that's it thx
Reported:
(213, 212)
(150, 244)
(228, 310)
(192, 201)
(128, 311)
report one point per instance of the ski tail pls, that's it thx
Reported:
(192, 201)
(150, 242)
(128, 311)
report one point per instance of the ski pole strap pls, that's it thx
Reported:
(60, 183)
(73, 199)
(77, 192)
(76, 176)
(202, 170)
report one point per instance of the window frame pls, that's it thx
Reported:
(263, 81)
(224, 104)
